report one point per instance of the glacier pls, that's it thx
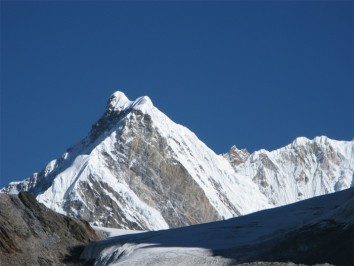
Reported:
(313, 231)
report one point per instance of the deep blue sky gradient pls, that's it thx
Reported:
(255, 74)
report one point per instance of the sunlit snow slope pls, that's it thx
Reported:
(137, 169)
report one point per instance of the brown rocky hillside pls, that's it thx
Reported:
(31, 234)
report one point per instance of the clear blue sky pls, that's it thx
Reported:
(255, 74)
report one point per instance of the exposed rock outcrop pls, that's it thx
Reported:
(31, 234)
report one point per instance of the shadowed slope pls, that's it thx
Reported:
(31, 234)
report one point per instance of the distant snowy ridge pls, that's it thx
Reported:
(315, 167)
(137, 169)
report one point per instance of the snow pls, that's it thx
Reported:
(119, 101)
(134, 209)
(13, 187)
(236, 237)
(64, 183)
(110, 232)
(266, 178)
(296, 172)
(208, 168)
(300, 141)
(143, 104)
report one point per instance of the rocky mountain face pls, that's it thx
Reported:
(31, 234)
(137, 169)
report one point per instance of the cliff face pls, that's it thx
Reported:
(31, 234)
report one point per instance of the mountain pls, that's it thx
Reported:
(314, 231)
(303, 169)
(31, 234)
(137, 169)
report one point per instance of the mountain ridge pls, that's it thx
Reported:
(155, 174)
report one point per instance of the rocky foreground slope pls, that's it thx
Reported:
(137, 169)
(315, 231)
(31, 234)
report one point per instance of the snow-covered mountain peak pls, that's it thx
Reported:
(327, 142)
(138, 169)
(236, 156)
(321, 140)
(119, 101)
(143, 104)
(235, 149)
(300, 141)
